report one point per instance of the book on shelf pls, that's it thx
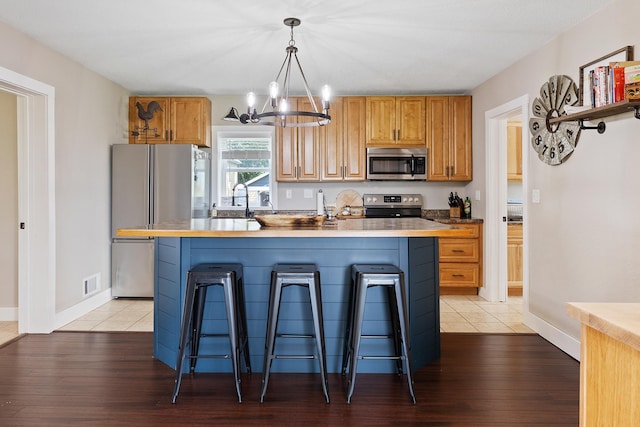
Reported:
(617, 87)
(632, 74)
(609, 84)
(624, 74)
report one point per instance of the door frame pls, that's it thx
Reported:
(36, 201)
(495, 284)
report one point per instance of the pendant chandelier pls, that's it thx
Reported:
(280, 114)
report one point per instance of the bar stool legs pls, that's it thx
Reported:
(284, 275)
(365, 276)
(229, 276)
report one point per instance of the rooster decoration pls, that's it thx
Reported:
(146, 115)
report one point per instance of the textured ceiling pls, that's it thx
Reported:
(357, 46)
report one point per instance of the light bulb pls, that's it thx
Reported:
(284, 106)
(273, 90)
(326, 93)
(251, 99)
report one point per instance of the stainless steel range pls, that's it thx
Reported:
(392, 205)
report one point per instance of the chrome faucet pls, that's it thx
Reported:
(247, 214)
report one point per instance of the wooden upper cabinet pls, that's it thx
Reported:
(191, 121)
(343, 141)
(183, 120)
(449, 138)
(514, 151)
(395, 121)
(157, 131)
(298, 149)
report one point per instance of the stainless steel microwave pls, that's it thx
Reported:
(396, 164)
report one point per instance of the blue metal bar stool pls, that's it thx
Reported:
(364, 276)
(283, 275)
(199, 278)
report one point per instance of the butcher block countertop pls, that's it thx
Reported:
(249, 227)
(620, 321)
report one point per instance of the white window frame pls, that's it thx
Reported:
(222, 132)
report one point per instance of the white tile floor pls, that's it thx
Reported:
(458, 313)
(134, 315)
(8, 331)
(471, 313)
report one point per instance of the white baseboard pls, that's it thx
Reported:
(555, 336)
(8, 314)
(79, 310)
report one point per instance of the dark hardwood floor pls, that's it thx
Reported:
(106, 379)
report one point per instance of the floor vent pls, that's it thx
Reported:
(91, 285)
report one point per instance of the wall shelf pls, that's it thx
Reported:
(600, 112)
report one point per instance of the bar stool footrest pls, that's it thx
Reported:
(294, 356)
(295, 336)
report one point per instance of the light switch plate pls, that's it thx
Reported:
(477, 194)
(535, 196)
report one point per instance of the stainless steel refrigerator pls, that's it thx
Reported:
(151, 184)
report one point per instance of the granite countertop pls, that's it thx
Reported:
(620, 321)
(248, 227)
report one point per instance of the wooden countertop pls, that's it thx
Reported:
(458, 220)
(243, 227)
(620, 321)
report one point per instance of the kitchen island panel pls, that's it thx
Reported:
(334, 257)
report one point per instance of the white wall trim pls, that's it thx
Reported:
(36, 201)
(555, 336)
(495, 282)
(8, 314)
(82, 308)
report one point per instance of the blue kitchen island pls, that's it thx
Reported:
(410, 243)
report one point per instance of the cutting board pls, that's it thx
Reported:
(348, 197)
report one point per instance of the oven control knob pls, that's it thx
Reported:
(405, 199)
(374, 199)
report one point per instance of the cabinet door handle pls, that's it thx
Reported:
(394, 134)
(398, 134)
(171, 135)
(458, 275)
(342, 171)
(457, 250)
(166, 135)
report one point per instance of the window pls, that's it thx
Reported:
(244, 158)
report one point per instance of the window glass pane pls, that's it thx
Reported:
(246, 161)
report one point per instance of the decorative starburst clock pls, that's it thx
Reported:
(555, 142)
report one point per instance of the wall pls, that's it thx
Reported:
(584, 238)
(435, 194)
(9, 206)
(90, 115)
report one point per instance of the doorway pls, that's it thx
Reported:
(36, 200)
(497, 191)
(8, 212)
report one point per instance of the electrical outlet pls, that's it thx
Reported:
(289, 194)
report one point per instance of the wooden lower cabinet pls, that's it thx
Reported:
(461, 262)
(514, 259)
